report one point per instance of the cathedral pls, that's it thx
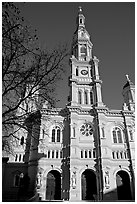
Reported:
(83, 152)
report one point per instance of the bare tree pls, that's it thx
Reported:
(28, 72)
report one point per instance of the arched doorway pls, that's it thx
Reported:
(123, 185)
(89, 185)
(53, 187)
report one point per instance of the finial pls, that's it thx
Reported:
(80, 9)
(127, 78)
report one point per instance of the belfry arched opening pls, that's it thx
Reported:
(53, 186)
(89, 185)
(123, 185)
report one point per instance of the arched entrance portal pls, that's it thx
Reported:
(53, 188)
(89, 186)
(123, 185)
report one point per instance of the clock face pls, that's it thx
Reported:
(84, 72)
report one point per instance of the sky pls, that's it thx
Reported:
(111, 26)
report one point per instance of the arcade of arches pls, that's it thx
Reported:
(88, 185)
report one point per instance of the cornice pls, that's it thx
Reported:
(81, 80)
(119, 113)
(79, 110)
(54, 111)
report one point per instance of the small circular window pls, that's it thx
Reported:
(86, 130)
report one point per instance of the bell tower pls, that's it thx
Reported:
(84, 82)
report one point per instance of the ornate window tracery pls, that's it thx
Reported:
(117, 135)
(56, 134)
(86, 129)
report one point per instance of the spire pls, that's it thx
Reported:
(81, 44)
(80, 18)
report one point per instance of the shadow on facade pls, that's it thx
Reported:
(123, 192)
(89, 185)
(53, 189)
(65, 163)
(15, 186)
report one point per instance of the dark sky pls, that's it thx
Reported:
(111, 27)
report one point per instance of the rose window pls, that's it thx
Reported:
(86, 130)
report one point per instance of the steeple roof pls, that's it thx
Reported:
(128, 83)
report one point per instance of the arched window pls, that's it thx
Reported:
(94, 153)
(43, 133)
(23, 157)
(121, 155)
(19, 157)
(114, 136)
(83, 50)
(52, 153)
(103, 132)
(113, 155)
(76, 71)
(124, 136)
(91, 97)
(79, 97)
(86, 97)
(125, 153)
(81, 153)
(131, 135)
(53, 135)
(117, 135)
(89, 153)
(61, 154)
(56, 134)
(16, 157)
(22, 140)
(86, 154)
(74, 133)
(57, 153)
(48, 153)
(80, 20)
(117, 153)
